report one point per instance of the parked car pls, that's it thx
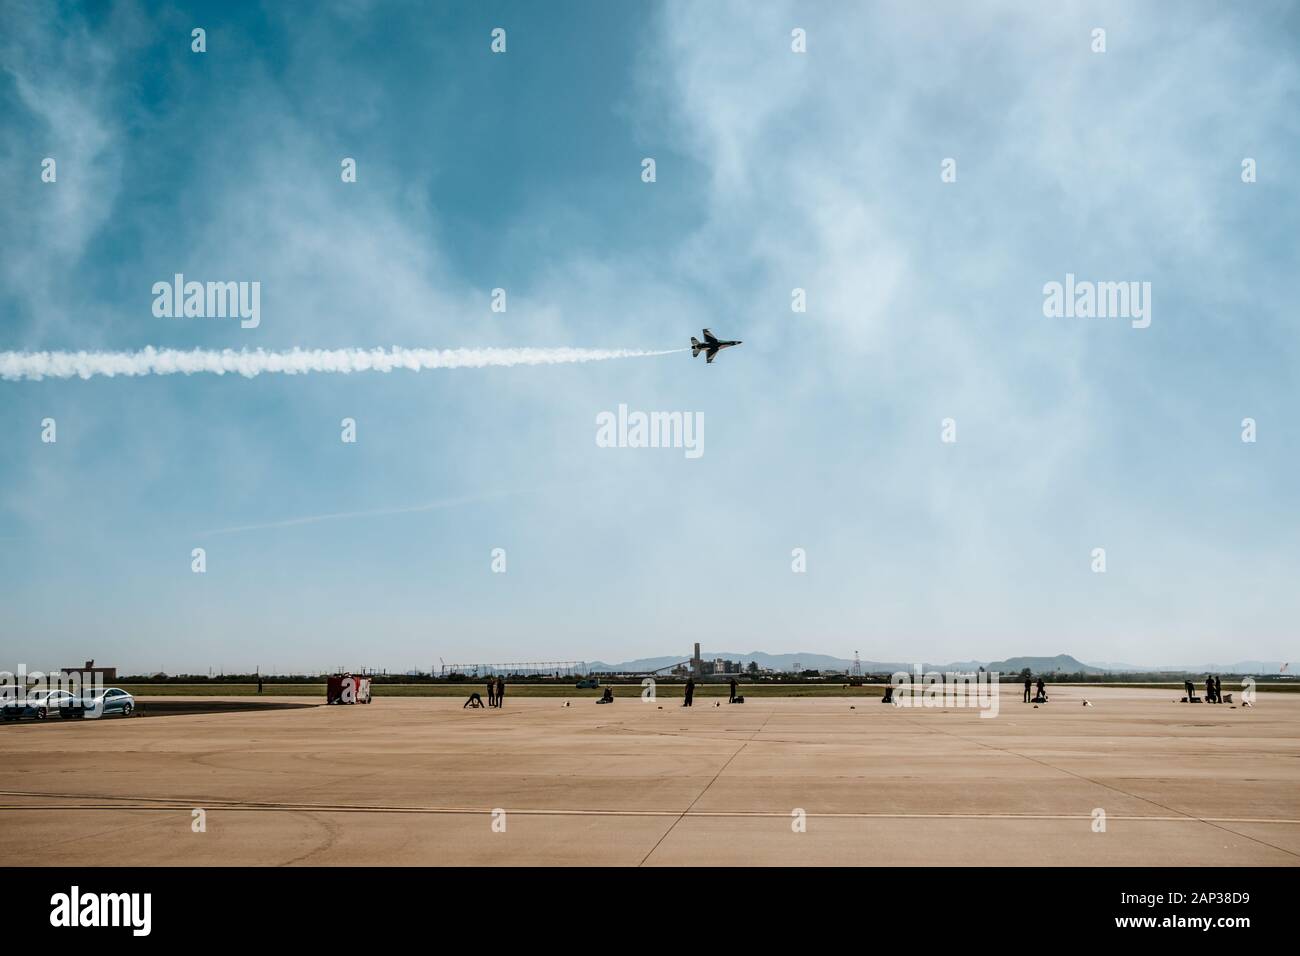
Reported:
(37, 704)
(114, 700)
(588, 683)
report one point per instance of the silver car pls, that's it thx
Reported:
(38, 704)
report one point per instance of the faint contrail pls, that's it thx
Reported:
(373, 513)
(15, 366)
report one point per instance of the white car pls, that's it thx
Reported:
(114, 700)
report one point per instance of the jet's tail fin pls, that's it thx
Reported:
(695, 346)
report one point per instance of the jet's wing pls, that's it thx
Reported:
(708, 359)
(709, 336)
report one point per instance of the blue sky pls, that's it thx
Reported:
(775, 170)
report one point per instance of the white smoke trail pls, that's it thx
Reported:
(17, 366)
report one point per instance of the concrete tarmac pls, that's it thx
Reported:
(417, 781)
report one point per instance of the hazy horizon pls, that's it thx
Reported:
(706, 654)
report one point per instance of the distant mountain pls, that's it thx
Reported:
(640, 665)
(785, 662)
(1062, 663)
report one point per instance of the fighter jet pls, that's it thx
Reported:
(710, 346)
